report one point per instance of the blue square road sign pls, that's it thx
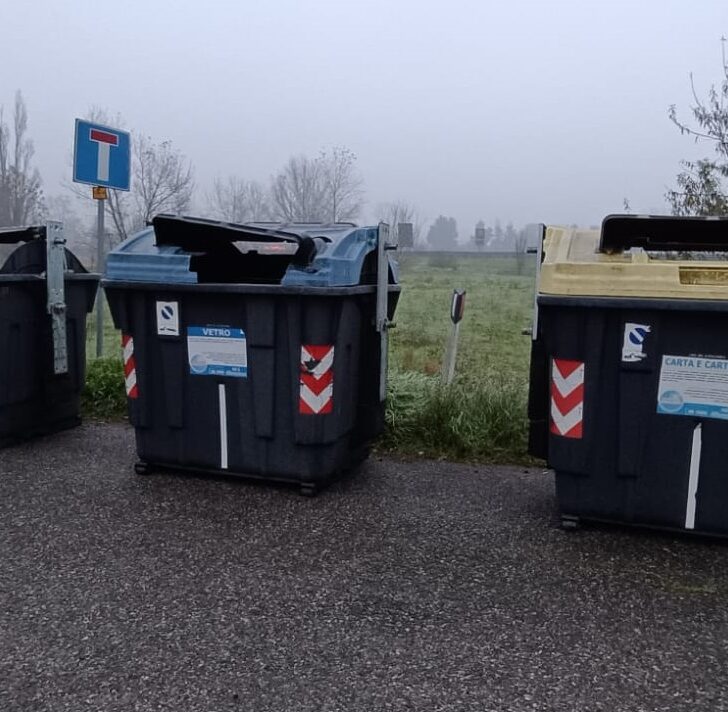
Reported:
(101, 156)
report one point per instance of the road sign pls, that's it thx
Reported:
(99, 193)
(101, 156)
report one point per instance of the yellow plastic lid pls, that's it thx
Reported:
(573, 265)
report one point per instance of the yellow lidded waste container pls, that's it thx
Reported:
(629, 371)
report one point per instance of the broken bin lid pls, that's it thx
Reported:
(190, 250)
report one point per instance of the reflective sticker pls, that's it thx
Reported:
(567, 398)
(316, 380)
(130, 377)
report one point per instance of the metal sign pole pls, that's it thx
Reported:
(102, 159)
(99, 268)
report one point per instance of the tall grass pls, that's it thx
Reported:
(484, 421)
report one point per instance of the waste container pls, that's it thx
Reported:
(45, 295)
(629, 371)
(257, 350)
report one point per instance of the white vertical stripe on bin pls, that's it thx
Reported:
(694, 474)
(223, 427)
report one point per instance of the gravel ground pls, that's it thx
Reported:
(410, 586)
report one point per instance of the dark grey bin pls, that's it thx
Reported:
(45, 296)
(254, 350)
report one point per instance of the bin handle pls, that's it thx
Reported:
(199, 234)
(13, 235)
(664, 233)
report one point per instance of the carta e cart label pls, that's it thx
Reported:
(693, 386)
(217, 351)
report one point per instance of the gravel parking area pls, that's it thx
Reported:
(410, 586)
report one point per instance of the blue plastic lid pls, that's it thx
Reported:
(174, 250)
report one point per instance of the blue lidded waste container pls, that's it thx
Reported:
(257, 350)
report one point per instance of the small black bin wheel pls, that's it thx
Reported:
(142, 468)
(308, 489)
(569, 523)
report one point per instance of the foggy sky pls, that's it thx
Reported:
(523, 111)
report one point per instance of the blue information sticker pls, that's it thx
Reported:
(216, 350)
(693, 386)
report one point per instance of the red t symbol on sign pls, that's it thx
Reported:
(105, 140)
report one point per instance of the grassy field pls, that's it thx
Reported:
(481, 416)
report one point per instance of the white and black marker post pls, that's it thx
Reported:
(457, 308)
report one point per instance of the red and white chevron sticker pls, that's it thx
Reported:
(567, 398)
(130, 378)
(317, 380)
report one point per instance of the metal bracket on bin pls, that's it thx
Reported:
(535, 233)
(382, 320)
(56, 305)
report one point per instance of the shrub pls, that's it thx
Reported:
(104, 395)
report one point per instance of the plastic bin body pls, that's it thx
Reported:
(267, 423)
(33, 399)
(605, 372)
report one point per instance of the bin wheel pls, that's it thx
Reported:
(142, 468)
(307, 489)
(569, 523)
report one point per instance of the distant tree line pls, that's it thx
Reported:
(327, 187)
(21, 195)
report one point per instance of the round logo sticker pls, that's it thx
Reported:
(198, 363)
(637, 335)
(671, 401)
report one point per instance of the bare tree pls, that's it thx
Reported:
(162, 181)
(520, 245)
(443, 234)
(342, 184)
(700, 185)
(400, 211)
(238, 200)
(21, 196)
(79, 230)
(297, 191)
(323, 189)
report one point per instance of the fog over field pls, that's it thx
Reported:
(521, 112)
